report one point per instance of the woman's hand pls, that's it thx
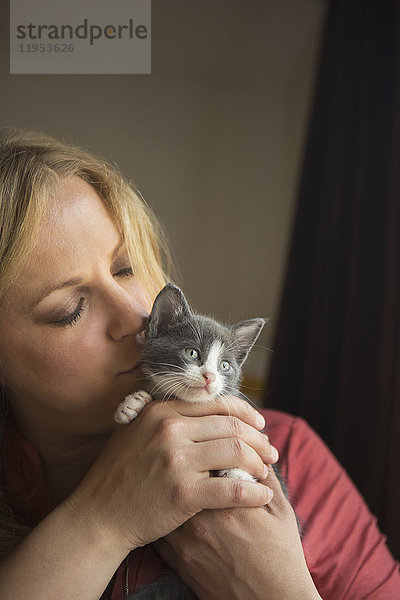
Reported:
(153, 474)
(245, 553)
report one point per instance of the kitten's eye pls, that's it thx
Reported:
(192, 354)
(224, 365)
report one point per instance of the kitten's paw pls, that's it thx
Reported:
(236, 474)
(131, 407)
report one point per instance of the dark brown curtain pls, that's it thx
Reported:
(337, 349)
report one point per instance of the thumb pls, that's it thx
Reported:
(277, 484)
(280, 505)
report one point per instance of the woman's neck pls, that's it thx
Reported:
(64, 468)
(66, 457)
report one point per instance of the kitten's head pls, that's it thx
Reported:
(192, 357)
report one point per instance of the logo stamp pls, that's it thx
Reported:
(73, 37)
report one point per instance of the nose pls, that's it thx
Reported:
(127, 315)
(209, 377)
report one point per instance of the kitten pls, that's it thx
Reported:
(193, 358)
(190, 357)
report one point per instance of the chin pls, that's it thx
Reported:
(198, 395)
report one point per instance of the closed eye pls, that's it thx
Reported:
(127, 272)
(72, 318)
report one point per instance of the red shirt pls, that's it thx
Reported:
(345, 551)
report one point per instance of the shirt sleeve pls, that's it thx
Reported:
(345, 551)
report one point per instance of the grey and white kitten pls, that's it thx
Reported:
(190, 357)
(194, 358)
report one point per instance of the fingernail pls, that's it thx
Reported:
(265, 471)
(274, 454)
(270, 495)
(260, 421)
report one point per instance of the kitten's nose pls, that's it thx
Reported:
(209, 377)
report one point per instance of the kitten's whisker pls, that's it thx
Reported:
(164, 394)
(244, 397)
(224, 396)
(168, 387)
(173, 366)
(163, 364)
(195, 330)
(161, 386)
(166, 373)
(174, 391)
(247, 387)
(263, 347)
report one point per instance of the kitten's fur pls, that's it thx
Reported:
(190, 357)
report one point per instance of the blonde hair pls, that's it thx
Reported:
(32, 165)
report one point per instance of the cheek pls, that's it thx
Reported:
(53, 359)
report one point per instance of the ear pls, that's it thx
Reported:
(246, 333)
(169, 307)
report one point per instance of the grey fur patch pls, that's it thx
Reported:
(170, 587)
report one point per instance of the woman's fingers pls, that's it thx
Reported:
(230, 453)
(221, 427)
(224, 492)
(281, 503)
(213, 442)
(158, 466)
(230, 405)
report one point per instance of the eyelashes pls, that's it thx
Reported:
(72, 318)
(127, 272)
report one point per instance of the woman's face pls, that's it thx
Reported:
(69, 325)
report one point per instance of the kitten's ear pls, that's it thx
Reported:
(169, 307)
(246, 333)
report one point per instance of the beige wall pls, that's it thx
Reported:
(213, 138)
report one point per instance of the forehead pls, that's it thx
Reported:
(75, 208)
(75, 230)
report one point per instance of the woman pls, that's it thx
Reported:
(82, 498)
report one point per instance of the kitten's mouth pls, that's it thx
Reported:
(205, 388)
(196, 387)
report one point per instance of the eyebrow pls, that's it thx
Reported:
(70, 282)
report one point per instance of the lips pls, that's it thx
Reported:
(132, 370)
